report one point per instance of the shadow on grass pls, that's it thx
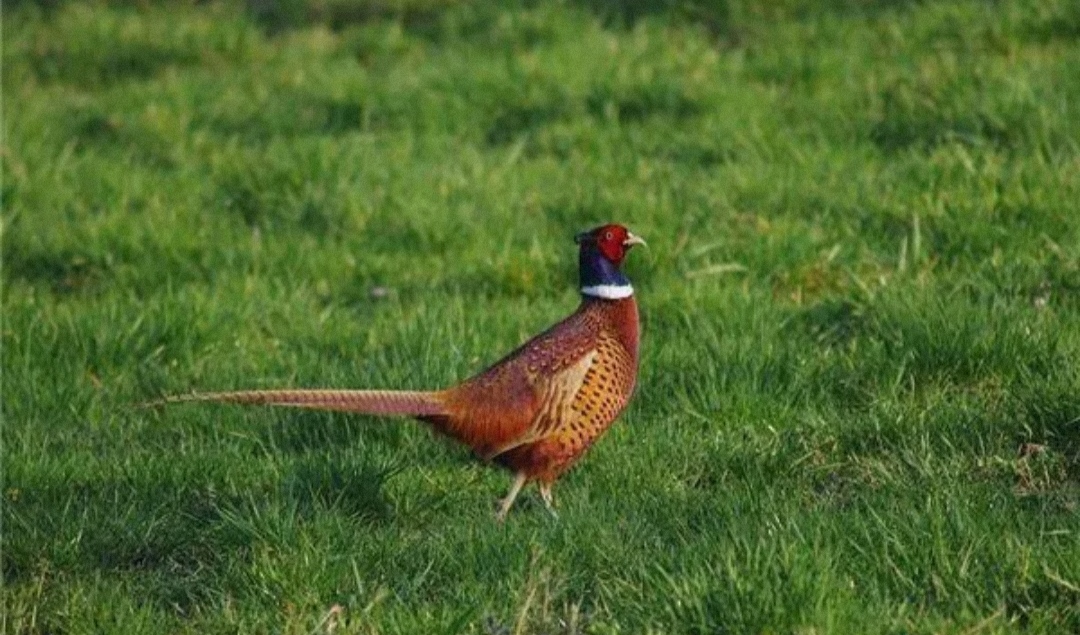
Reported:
(130, 61)
(94, 129)
(420, 17)
(1045, 596)
(525, 116)
(299, 114)
(305, 432)
(64, 272)
(1050, 413)
(320, 485)
(184, 542)
(909, 122)
(106, 56)
(433, 20)
(956, 342)
(1063, 26)
(267, 192)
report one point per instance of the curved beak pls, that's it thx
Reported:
(632, 240)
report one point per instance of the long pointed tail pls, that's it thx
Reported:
(372, 402)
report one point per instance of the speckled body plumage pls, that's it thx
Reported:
(537, 410)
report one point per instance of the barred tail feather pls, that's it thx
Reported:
(372, 402)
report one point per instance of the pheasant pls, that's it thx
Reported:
(536, 411)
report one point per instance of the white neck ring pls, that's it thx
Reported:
(608, 291)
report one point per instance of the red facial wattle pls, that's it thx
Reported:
(611, 242)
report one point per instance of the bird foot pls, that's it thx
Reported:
(549, 501)
(506, 503)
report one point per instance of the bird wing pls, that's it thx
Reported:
(557, 393)
(522, 397)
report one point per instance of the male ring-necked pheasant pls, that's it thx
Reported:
(537, 410)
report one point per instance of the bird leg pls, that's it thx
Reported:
(506, 503)
(549, 502)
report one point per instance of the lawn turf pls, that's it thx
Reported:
(859, 402)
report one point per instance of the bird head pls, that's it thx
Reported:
(602, 251)
(611, 241)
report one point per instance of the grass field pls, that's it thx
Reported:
(859, 400)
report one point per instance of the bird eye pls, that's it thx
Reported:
(608, 235)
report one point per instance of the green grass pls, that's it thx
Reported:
(859, 400)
